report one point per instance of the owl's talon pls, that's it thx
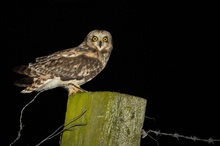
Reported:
(75, 89)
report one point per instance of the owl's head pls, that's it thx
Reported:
(100, 40)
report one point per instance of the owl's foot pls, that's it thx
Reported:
(75, 89)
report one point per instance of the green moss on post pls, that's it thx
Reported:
(103, 119)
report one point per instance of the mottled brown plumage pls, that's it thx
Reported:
(68, 68)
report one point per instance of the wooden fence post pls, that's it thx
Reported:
(103, 119)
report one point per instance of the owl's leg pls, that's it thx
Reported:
(74, 89)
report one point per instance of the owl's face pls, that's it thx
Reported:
(100, 40)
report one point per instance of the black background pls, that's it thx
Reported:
(164, 52)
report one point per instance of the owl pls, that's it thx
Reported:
(69, 68)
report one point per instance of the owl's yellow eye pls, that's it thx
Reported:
(94, 38)
(105, 39)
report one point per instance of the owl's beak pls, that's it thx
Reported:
(100, 44)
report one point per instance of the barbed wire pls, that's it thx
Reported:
(177, 136)
(63, 128)
(21, 118)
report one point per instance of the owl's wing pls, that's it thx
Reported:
(71, 52)
(55, 55)
(81, 66)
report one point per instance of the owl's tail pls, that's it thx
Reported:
(26, 81)
(30, 84)
(23, 69)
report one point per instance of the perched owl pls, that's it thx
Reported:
(69, 68)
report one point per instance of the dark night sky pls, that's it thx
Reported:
(162, 52)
